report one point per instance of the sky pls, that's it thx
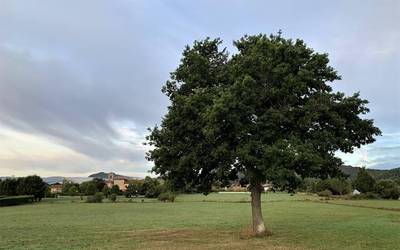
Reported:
(80, 80)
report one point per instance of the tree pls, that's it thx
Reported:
(131, 190)
(9, 186)
(32, 185)
(364, 182)
(100, 183)
(91, 188)
(115, 190)
(73, 190)
(265, 113)
(134, 188)
(105, 190)
(66, 185)
(151, 187)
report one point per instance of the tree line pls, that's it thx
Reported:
(30, 185)
(148, 187)
(363, 182)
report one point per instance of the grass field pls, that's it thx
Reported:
(217, 221)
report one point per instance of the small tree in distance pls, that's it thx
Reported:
(115, 190)
(264, 113)
(364, 182)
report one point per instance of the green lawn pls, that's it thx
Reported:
(218, 221)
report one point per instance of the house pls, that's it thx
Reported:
(121, 181)
(56, 188)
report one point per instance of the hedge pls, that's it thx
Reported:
(16, 200)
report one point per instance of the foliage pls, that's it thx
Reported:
(339, 186)
(88, 187)
(106, 190)
(66, 185)
(99, 183)
(322, 185)
(388, 189)
(92, 186)
(73, 190)
(167, 196)
(96, 198)
(325, 193)
(16, 200)
(151, 187)
(367, 195)
(364, 182)
(115, 190)
(309, 185)
(30, 185)
(48, 194)
(9, 186)
(113, 197)
(266, 113)
(133, 189)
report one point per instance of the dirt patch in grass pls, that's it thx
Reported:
(205, 239)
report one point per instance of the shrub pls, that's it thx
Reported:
(388, 189)
(96, 198)
(16, 200)
(112, 197)
(167, 196)
(325, 193)
(322, 185)
(309, 185)
(339, 186)
(365, 196)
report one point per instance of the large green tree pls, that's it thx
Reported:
(263, 114)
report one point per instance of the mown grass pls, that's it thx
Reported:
(218, 221)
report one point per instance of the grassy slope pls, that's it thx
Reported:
(297, 222)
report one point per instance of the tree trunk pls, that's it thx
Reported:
(258, 222)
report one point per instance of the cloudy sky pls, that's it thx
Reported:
(80, 80)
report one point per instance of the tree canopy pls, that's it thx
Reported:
(264, 113)
(364, 181)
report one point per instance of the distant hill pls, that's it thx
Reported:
(59, 179)
(104, 175)
(378, 174)
(79, 180)
(100, 175)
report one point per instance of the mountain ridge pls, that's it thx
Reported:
(378, 174)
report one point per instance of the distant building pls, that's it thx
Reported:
(356, 192)
(121, 181)
(56, 188)
(267, 187)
